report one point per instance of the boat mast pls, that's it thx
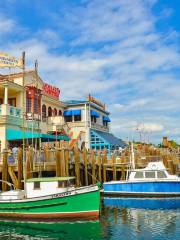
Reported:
(23, 118)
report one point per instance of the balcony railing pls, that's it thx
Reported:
(7, 110)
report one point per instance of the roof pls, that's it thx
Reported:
(111, 139)
(74, 102)
(49, 179)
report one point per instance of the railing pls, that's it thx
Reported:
(100, 127)
(10, 111)
(16, 112)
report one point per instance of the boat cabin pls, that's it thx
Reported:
(37, 187)
(154, 171)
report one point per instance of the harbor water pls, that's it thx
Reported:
(120, 219)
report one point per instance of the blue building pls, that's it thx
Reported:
(88, 122)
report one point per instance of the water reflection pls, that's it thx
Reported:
(121, 218)
(145, 203)
(75, 230)
(141, 219)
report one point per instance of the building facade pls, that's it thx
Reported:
(30, 109)
(88, 122)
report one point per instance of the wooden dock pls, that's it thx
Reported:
(88, 167)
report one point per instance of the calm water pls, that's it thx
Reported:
(120, 219)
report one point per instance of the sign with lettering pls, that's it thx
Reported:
(51, 90)
(9, 61)
(94, 100)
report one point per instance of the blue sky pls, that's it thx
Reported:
(124, 52)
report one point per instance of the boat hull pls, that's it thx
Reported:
(77, 204)
(143, 189)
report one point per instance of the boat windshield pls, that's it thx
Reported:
(150, 174)
(161, 174)
(138, 175)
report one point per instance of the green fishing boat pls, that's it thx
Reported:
(51, 199)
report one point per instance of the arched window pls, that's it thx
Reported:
(49, 112)
(60, 113)
(43, 111)
(55, 112)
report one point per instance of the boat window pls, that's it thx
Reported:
(37, 185)
(161, 174)
(138, 175)
(62, 184)
(150, 174)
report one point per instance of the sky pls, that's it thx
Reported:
(126, 53)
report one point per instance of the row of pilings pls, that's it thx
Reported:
(88, 166)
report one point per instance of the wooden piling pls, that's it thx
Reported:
(58, 163)
(5, 171)
(84, 156)
(104, 157)
(77, 170)
(92, 159)
(99, 168)
(20, 168)
(114, 168)
(67, 158)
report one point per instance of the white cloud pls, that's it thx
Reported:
(117, 54)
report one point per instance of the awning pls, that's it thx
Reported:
(76, 112)
(68, 113)
(106, 119)
(12, 134)
(94, 114)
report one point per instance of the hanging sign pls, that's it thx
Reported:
(51, 90)
(8, 61)
(96, 101)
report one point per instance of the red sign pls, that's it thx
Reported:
(51, 90)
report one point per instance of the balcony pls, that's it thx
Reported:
(10, 114)
(99, 127)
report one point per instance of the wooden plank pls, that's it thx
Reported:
(20, 168)
(84, 156)
(5, 171)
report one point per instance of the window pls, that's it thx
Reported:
(36, 185)
(105, 124)
(49, 112)
(68, 118)
(55, 112)
(36, 105)
(138, 175)
(77, 118)
(43, 112)
(161, 174)
(62, 184)
(28, 105)
(93, 119)
(150, 174)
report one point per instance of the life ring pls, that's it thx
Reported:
(154, 167)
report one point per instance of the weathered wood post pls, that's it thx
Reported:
(5, 171)
(67, 158)
(99, 167)
(28, 165)
(92, 157)
(104, 158)
(114, 167)
(77, 170)
(84, 155)
(20, 168)
(58, 162)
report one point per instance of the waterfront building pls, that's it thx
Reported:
(30, 109)
(88, 122)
